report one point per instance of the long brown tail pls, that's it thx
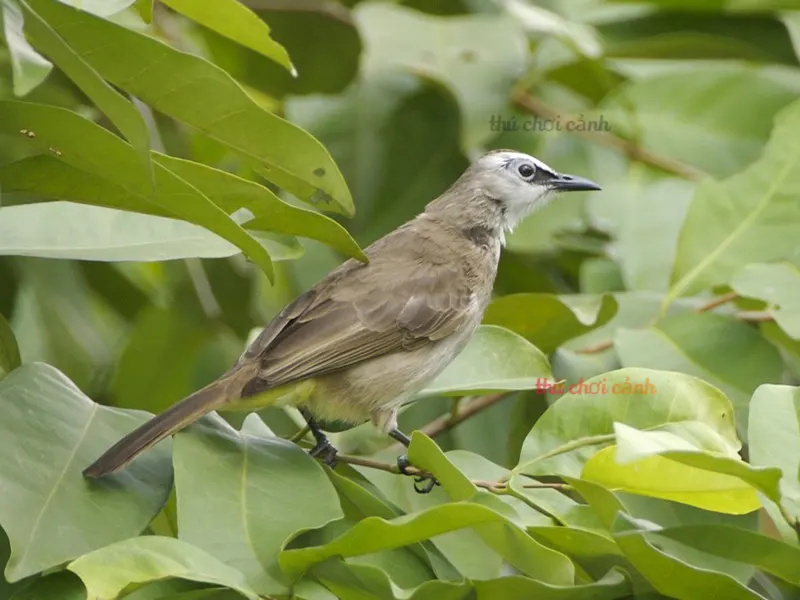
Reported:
(172, 420)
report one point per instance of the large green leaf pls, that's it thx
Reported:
(270, 212)
(694, 115)
(351, 581)
(157, 337)
(104, 173)
(242, 495)
(205, 97)
(659, 563)
(775, 440)
(122, 113)
(495, 359)
(547, 320)
(726, 353)
(374, 534)
(411, 156)
(50, 513)
(443, 49)
(81, 232)
(582, 421)
(61, 585)
(665, 464)
(29, 67)
(773, 556)
(668, 574)
(779, 286)
(236, 21)
(752, 216)
(613, 585)
(644, 217)
(108, 571)
(9, 350)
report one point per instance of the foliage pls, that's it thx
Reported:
(625, 423)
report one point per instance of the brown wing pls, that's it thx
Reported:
(359, 312)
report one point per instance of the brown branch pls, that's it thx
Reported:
(527, 102)
(755, 316)
(493, 486)
(718, 301)
(451, 419)
(595, 348)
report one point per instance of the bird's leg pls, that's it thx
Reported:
(323, 448)
(403, 463)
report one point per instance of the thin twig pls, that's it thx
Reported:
(535, 106)
(595, 348)
(451, 419)
(493, 486)
(755, 316)
(717, 301)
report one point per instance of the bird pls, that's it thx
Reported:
(370, 335)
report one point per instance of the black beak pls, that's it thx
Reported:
(572, 183)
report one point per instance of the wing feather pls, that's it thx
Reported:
(360, 312)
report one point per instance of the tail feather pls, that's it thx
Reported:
(172, 420)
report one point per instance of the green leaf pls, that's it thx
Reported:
(416, 129)
(270, 212)
(779, 286)
(158, 336)
(611, 586)
(791, 20)
(50, 513)
(356, 582)
(645, 217)
(750, 217)
(494, 360)
(108, 571)
(205, 97)
(122, 113)
(775, 440)
(726, 353)
(663, 513)
(235, 21)
(60, 322)
(9, 350)
(671, 576)
(62, 585)
(29, 67)
(539, 21)
(443, 49)
(694, 115)
(374, 534)
(81, 232)
(547, 320)
(773, 556)
(757, 6)
(242, 495)
(582, 421)
(663, 464)
(103, 173)
(101, 8)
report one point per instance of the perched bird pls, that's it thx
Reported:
(368, 336)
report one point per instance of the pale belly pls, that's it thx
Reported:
(384, 383)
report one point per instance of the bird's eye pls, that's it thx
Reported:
(526, 170)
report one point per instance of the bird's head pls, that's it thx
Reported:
(504, 186)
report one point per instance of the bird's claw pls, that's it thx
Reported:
(429, 480)
(325, 451)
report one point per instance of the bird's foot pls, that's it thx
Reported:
(429, 480)
(325, 451)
